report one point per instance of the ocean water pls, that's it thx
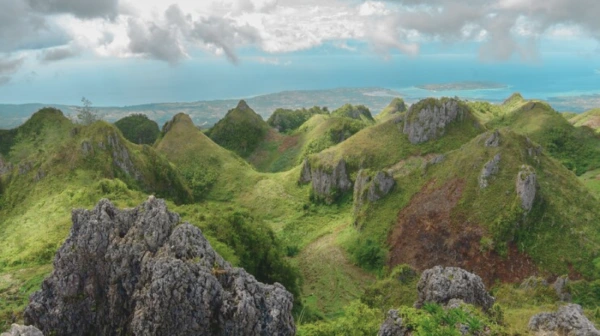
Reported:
(574, 77)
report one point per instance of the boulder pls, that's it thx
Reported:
(442, 284)
(490, 168)
(5, 167)
(561, 288)
(526, 186)
(567, 321)
(19, 330)
(140, 272)
(428, 119)
(392, 326)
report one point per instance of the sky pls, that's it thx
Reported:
(124, 52)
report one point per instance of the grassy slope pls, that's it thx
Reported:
(589, 118)
(396, 107)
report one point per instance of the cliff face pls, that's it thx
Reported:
(140, 272)
(371, 189)
(327, 184)
(428, 119)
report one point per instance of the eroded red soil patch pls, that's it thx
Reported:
(287, 143)
(426, 235)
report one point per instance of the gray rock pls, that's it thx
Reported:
(39, 175)
(305, 175)
(5, 167)
(381, 185)
(438, 159)
(490, 168)
(139, 272)
(392, 326)
(441, 285)
(533, 283)
(19, 330)
(121, 157)
(526, 186)
(25, 168)
(327, 184)
(361, 187)
(493, 140)
(428, 120)
(561, 288)
(567, 321)
(86, 148)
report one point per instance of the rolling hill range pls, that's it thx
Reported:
(342, 208)
(207, 113)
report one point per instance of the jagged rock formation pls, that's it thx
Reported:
(19, 330)
(139, 272)
(493, 140)
(428, 119)
(526, 185)
(121, 157)
(489, 169)
(442, 284)
(567, 321)
(371, 189)
(392, 326)
(327, 184)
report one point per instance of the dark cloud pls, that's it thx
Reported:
(84, 9)
(58, 54)
(10, 66)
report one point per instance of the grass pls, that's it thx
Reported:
(589, 119)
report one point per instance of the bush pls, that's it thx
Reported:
(285, 120)
(138, 129)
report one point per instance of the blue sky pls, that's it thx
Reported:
(118, 52)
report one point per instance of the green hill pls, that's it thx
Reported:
(589, 119)
(241, 130)
(138, 129)
(358, 112)
(285, 120)
(396, 107)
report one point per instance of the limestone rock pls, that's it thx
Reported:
(139, 272)
(5, 167)
(19, 330)
(86, 148)
(428, 119)
(361, 185)
(121, 157)
(526, 185)
(440, 285)
(489, 169)
(372, 189)
(327, 183)
(392, 326)
(25, 168)
(560, 287)
(567, 321)
(493, 140)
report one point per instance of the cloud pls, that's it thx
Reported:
(10, 66)
(85, 9)
(4, 80)
(272, 61)
(58, 54)
(153, 41)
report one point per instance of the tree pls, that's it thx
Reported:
(85, 113)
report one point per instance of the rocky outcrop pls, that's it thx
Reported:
(327, 184)
(392, 326)
(561, 286)
(372, 188)
(25, 168)
(121, 157)
(568, 321)
(526, 186)
(428, 119)
(5, 167)
(442, 284)
(19, 330)
(86, 148)
(139, 272)
(490, 168)
(493, 140)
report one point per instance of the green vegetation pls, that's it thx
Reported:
(589, 119)
(285, 120)
(359, 112)
(85, 114)
(241, 130)
(138, 129)
(396, 107)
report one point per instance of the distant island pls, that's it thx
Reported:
(462, 86)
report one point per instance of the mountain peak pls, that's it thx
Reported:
(242, 105)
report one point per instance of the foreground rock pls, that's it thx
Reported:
(140, 272)
(19, 330)
(440, 285)
(392, 326)
(568, 320)
(428, 119)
